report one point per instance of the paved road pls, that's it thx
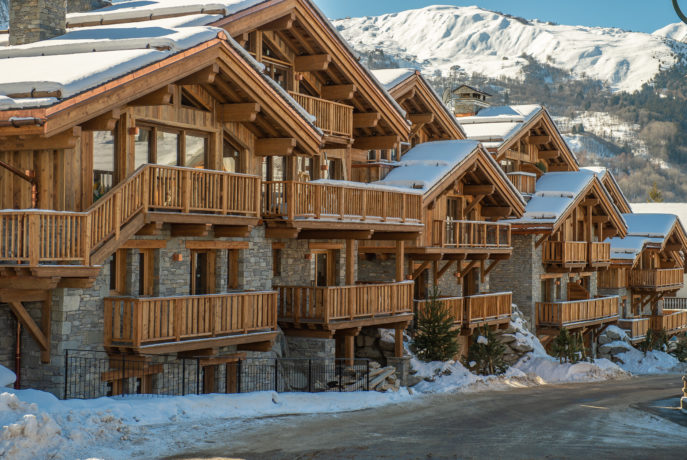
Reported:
(616, 419)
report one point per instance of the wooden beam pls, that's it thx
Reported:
(238, 113)
(400, 259)
(469, 267)
(445, 268)
(541, 240)
(75, 283)
(600, 219)
(28, 282)
(536, 140)
(315, 245)
(225, 231)
(496, 211)
(376, 142)
(366, 120)
(105, 122)
(407, 95)
(275, 146)
(672, 247)
(28, 322)
(338, 92)
(190, 230)
(421, 268)
(213, 244)
(421, 118)
(474, 203)
(492, 266)
(312, 63)
(283, 23)
(335, 234)
(394, 236)
(207, 76)
(281, 233)
(144, 244)
(162, 96)
(549, 154)
(479, 189)
(65, 140)
(589, 202)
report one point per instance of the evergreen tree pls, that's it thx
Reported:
(485, 356)
(568, 348)
(435, 337)
(655, 195)
(654, 340)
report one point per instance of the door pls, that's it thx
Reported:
(324, 268)
(471, 283)
(202, 272)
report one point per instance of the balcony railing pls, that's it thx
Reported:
(468, 235)
(559, 314)
(670, 321)
(659, 279)
(524, 182)
(324, 305)
(565, 253)
(371, 172)
(675, 303)
(331, 117)
(599, 254)
(48, 237)
(475, 310)
(135, 322)
(636, 328)
(312, 200)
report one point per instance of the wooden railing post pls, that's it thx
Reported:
(225, 194)
(86, 238)
(185, 191)
(178, 315)
(290, 200)
(244, 310)
(146, 183)
(364, 205)
(258, 196)
(35, 242)
(137, 318)
(342, 202)
(385, 201)
(403, 207)
(116, 213)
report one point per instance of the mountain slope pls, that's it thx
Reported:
(481, 41)
(677, 31)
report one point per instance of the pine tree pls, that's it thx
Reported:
(654, 340)
(568, 348)
(485, 356)
(435, 337)
(655, 195)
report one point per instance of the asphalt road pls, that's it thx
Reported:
(632, 418)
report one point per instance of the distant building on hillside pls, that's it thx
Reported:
(466, 101)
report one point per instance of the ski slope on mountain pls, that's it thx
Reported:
(677, 31)
(440, 37)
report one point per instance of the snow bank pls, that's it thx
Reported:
(550, 370)
(654, 362)
(7, 377)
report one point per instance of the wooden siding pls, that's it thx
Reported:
(564, 314)
(615, 278)
(671, 321)
(332, 118)
(465, 234)
(636, 328)
(565, 253)
(659, 279)
(474, 311)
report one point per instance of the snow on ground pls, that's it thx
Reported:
(654, 362)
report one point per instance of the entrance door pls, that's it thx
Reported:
(324, 268)
(471, 283)
(202, 272)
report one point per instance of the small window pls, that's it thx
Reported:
(142, 147)
(103, 163)
(167, 148)
(231, 158)
(305, 169)
(196, 150)
(372, 155)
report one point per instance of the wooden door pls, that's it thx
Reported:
(202, 272)
(325, 269)
(471, 283)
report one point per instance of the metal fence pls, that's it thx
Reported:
(90, 374)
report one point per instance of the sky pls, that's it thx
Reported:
(637, 15)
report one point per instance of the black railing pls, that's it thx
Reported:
(90, 374)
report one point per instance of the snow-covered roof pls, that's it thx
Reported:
(496, 125)
(642, 229)
(555, 193)
(603, 172)
(391, 78)
(371, 186)
(678, 209)
(426, 164)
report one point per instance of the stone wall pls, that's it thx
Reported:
(298, 263)
(35, 20)
(306, 347)
(76, 6)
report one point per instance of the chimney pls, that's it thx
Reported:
(79, 6)
(36, 20)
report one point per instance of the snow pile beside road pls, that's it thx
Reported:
(654, 362)
(550, 370)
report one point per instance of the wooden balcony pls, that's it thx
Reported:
(578, 313)
(333, 118)
(636, 328)
(599, 255)
(343, 307)
(675, 303)
(567, 254)
(370, 172)
(471, 235)
(669, 279)
(319, 205)
(34, 237)
(476, 311)
(173, 324)
(612, 279)
(672, 321)
(524, 182)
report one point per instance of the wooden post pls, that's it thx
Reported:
(364, 205)
(400, 255)
(137, 318)
(231, 377)
(178, 307)
(225, 194)
(398, 341)
(342, 203)
(349, 349)
(403, 206)
(350, 261)
(86, 239)
(116, 212)
(34, 239)
(291, 200)
(185, 191)
(257, 184)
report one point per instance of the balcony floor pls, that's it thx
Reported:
(258, 341)
(319, 326)
(544, 327)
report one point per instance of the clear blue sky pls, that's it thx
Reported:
(637, 15)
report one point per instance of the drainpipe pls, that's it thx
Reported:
(17, 357)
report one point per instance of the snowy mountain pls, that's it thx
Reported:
(477, 40)
(677, 31)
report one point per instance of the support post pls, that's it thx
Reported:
(398, 341)
(400, 255)
(350, 261)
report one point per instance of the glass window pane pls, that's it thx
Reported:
(167, 148)
(195, 151)
(103, 163)
(231, 158)
(142, 147)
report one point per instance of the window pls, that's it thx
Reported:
(334, 170)
(273, 168)
(231, 158)
(305, 168)
(276, 262)
(232, 269)
(372, 155)
(142, 147)
(103, 163)
(196, 150)
(118, 273)
(167, 148)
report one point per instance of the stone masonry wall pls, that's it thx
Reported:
(35, 20)
(76, 6)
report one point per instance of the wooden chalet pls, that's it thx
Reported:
(465, 198)
(647, 267)
(524, 140)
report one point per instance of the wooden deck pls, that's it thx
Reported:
(636, 328)
(672, 321)
(31, 238)
(333, 118)
(524, 182)
(578, 313)
(342, 307)
(599, 255)
(173, 324)
(471, 235)
(670, 279)
(567, 254)
(476, 311)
